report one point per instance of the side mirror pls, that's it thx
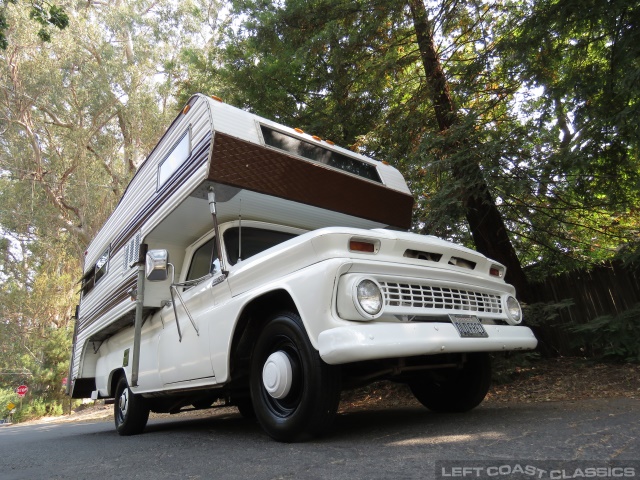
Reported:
(156, 265)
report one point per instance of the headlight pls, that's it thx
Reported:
(514, 312)
(369, 297)
(359, 298)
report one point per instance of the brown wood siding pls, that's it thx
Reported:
(245, 165)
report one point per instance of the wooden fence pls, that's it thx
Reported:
(608, 289)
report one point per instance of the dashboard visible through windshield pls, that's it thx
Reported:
(251, 241)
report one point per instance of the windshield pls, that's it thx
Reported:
(254, 241)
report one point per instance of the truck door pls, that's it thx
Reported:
(183, 347)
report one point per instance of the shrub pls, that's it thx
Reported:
(611, 337)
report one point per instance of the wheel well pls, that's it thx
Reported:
(249, 326)
(113, 381)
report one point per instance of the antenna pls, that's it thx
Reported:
(240, 233)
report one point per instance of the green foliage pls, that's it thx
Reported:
(541, 314)
(322, 65)
(7, 396)
(3, 26)
(546, 94)
(611, 337)
(573, 189)
(78, 115)
(38, 407)
(629, 254)
(40, 11)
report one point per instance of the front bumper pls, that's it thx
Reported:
(390, 340)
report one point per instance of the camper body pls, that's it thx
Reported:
(278, 270)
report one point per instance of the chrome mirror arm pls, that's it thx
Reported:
(173, 290)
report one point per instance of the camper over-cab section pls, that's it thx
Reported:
(256, 265)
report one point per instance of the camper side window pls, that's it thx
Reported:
(93, 276)
(174, 159)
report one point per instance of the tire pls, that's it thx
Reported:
(245, 407)
(130, 411)
(454, 390)
(309, 405)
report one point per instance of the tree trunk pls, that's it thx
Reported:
(486, 224)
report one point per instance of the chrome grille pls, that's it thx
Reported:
(439, 298)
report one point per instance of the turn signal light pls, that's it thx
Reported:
(360, 246)
(496, 271)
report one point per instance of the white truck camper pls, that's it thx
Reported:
(251, 264)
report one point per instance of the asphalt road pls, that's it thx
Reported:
(373, 444)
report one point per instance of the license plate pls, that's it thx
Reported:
(468, 326)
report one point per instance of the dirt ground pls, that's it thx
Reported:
(541, 381)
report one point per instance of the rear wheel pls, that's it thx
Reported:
(454, 390)
(295, 394)
(130, 411)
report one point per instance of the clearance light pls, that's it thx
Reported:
(317, 138)
(330, 142)
(217, 99)
(299, 130)
(186, 109)
(361, 246)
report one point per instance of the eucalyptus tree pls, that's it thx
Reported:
(78, 114)
(45, 14)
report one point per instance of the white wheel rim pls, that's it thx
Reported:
(276, 375)
(124, 402)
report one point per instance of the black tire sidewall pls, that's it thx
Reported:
(320, 390)
(137, 412)
(463, 391)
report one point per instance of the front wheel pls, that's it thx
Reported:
(130, 411)
(295, 394)
(245, 407)
(454, 390)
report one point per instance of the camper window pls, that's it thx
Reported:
(101, 265)
(317, 153)
(174, 159)
(93, 276)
